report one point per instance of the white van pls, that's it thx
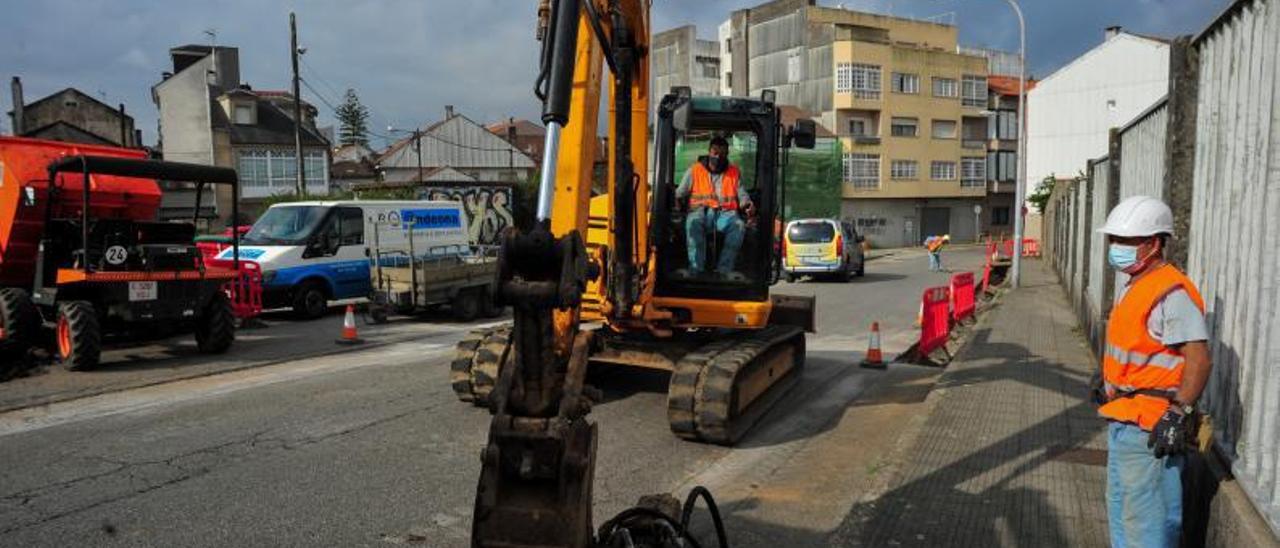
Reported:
(315, 252)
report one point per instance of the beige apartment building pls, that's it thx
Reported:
(909, 109)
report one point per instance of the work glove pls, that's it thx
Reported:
(1098, 389)
(1169, 436)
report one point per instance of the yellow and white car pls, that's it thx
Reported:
(822, 247)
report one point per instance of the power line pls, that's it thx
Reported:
(389, 138)
(323, 81)
(318, 95)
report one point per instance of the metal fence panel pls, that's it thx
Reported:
(1235, 235)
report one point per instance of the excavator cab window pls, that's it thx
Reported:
(716, 240)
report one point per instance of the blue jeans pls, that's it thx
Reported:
(727, 223)
(1144, 494)
(935, 260)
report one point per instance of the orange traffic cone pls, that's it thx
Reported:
(349, 335)
(874, 359)
(920, 315)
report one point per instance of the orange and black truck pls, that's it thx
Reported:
(84, 260)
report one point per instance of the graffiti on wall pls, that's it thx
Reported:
(488, 209)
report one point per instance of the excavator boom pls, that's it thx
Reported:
(732, 349)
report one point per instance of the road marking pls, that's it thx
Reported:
(169, 394)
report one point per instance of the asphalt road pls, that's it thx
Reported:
(371, 447)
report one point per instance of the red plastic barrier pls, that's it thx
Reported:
(210, 250)
(986, 277)
(1008, 248)
(962, 296)
(1030, 247)
(935, 323)
(246, 291)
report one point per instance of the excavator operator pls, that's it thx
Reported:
(712, 187)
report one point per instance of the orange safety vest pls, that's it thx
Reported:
(704, 193)
(1133, 360)
(935, 244)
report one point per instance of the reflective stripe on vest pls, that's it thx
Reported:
(704, 192)
(1133, 360)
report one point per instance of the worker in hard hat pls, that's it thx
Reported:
(1154, 368)
(933, 245)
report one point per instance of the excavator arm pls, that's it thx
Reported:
(538, 465)
(535, 487)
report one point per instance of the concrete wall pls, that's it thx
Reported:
(1142, 147)
(1234, 238)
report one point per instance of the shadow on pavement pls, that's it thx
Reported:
(954, 496)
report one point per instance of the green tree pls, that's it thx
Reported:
(1040, 197)
(354, 120)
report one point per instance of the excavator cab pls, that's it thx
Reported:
(685, 127)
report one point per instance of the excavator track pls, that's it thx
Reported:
(475, 365)
(719, 391)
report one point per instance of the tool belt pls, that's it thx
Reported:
(1198, 426)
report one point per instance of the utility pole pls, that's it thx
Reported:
(417, 147)
(511, 140)
(300, 185)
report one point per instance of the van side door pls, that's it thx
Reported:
(350, 266)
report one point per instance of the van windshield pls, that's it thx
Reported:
(811, 233)
(285, 225)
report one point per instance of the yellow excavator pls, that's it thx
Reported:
(609, 279)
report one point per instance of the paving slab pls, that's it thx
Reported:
(1011, 453)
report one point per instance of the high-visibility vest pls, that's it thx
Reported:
(1133, 360)
(704, 193)
(935, 244)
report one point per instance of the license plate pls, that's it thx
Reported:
(142, 291)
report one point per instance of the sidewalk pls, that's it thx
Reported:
(1012, 452)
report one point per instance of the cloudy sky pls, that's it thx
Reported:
(409, 58)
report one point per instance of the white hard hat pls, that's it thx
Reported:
(1139, 216)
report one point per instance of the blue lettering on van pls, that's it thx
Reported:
(432, 218)
(249, 253)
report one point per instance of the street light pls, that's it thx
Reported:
(1020, 190)
(417, 145)
(1019, 185)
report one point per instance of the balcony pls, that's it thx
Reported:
(861, 139)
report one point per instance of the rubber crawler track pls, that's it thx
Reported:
(701, 395)
(475, 366)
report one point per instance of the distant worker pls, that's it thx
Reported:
(933, 244)
(712, 187)
(1154, 368)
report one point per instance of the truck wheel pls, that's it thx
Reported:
(216, 329)
(20, 323)
(309, 300)
(79, 336)
(466, 305)
(489, 308)
(791, 278)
